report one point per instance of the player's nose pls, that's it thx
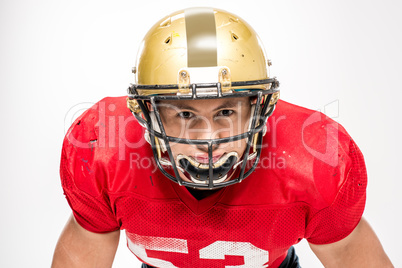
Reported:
(204, 147)
(202, 129)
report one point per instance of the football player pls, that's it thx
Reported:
(225, 181)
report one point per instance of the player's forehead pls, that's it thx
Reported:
(206, 104)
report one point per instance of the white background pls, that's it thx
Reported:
(55, 55)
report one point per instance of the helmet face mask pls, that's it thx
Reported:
(200, 82)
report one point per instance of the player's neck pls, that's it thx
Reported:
(201, 194)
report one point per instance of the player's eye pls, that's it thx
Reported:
(225, 113)
(185, 114)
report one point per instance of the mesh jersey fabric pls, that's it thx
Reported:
(310, 183)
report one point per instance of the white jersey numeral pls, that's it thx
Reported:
(138, 245)
(253, 256)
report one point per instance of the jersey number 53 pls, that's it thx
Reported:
(253, 256)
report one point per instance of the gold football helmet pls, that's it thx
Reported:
(202, 53)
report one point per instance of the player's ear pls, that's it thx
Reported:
(253, 100)
(149, 106)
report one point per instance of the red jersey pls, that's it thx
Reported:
(310, 183)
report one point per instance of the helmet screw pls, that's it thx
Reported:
(134, 70)
(183, 74)
(269, 62)
(224, 72)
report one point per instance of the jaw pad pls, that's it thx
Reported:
(203, 174)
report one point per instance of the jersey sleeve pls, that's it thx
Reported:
(338, 220)
(82, 178)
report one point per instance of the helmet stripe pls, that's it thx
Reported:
(201, 37)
